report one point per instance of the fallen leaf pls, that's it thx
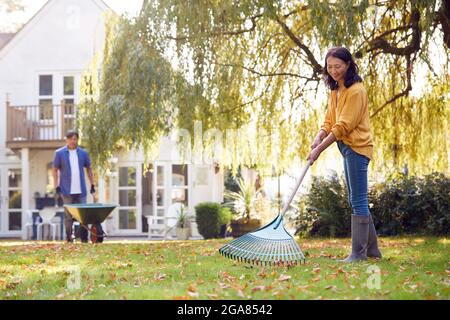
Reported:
(224, 285)
(284, 277)
(340, 270)
(191, 288)
(193, 294)
(181, 298)
(159, 276)
(258, 288)
(262, 274)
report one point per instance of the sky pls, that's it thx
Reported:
(10, 21)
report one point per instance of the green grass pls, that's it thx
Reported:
(412, 268)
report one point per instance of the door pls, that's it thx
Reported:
(128, 216)
(171, 184)
(11, 200)
(160, 190)
(58, 96)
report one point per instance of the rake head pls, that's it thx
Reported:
(269, 245)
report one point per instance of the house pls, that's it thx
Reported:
(40, 73)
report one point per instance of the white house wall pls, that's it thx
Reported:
(168, 151)
(61, 38)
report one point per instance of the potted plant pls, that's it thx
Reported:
(242, 203)
(183, 230)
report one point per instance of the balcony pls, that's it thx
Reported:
(38, 126)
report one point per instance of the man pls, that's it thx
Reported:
(68, 176)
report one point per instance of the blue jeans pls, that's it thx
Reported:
(68, 220)
(355, 168)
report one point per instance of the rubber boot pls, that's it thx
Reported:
(372, 245)
(360, 238)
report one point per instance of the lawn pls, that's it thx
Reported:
(412, 268)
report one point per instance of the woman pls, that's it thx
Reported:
(347, 122)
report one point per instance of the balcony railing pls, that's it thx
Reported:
(39, 125)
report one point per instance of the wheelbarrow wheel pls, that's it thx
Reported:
(100, 235)
(94, 237)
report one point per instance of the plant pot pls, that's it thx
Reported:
(241, 227)
(223, 231)
(183, 233)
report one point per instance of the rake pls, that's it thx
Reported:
(270, 244)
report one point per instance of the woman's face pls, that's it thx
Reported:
(337, 68)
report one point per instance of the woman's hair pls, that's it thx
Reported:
(351, 76)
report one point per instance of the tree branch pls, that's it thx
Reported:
(405, 92)
(223, 33)
(317, 68)
(380, 43)
(270, 74)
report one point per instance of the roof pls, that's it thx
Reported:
(4, 38)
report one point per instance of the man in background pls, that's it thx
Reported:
(68, 176)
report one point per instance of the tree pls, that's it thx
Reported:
(259, 62)
(8, 7)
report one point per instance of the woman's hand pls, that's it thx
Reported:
(314, 155)
(316, 142)
(319, 138)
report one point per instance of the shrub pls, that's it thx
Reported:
(210, 217)
(325, 211)
(412, 205)
(243, 201)
(402, 205)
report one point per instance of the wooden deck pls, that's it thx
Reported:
(38, 126)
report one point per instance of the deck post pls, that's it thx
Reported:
(25, 157)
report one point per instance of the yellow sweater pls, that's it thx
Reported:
(348, 119)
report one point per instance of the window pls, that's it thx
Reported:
(127, 197)
(179, 175)
(127, 219)
(14, 204)
(15, 178)
(68, 86)
(45, 97)
(69, 103)
(127, 176)
(69, 92)
(179, 192)
(46, 85)
(45, 109)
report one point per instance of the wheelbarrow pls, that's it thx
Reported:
(91, 214)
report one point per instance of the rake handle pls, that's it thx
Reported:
(299, 182)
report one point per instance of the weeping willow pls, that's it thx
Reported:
(250, 73)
